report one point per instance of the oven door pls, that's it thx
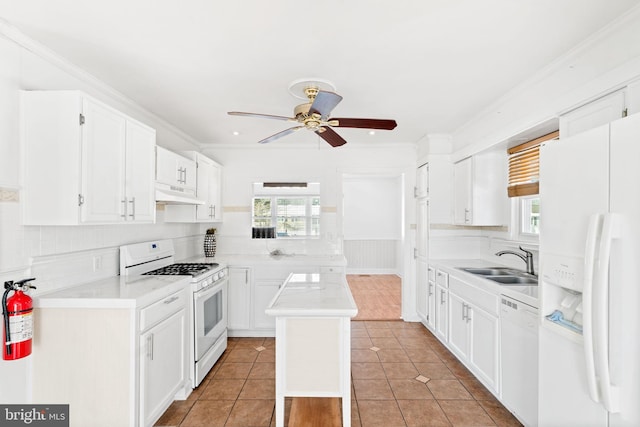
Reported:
(210, 316)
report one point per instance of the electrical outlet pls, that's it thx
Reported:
(97, 263)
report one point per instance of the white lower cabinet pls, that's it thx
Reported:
(422, 282)
(431, 306)
(473, 330)
(113, 366)
(161, 362)
(239, 299)
(251, 289)
(264, 292)
(442, 312)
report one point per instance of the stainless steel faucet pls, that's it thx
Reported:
(527, 258)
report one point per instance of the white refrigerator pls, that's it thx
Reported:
(589, 341)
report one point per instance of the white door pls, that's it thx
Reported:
(103, 164)
(422, 257)
(624, 317)
(574, 184)
(140, 173)
(422, 181)
(215, 192)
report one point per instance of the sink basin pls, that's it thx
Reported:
(514, 280)
(490, 271)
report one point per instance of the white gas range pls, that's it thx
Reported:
(209, 281)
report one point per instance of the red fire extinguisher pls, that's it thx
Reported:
(17, 314)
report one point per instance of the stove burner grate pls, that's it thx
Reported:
(182, 269)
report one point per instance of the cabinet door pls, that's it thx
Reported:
(103, 164)
(462, 182)
(422, 181)
(596, 113)
(431, 306)
(189, 170)
(422, 283)
(140, 173)
(264, 292)
(239, 298)
(215, 192)
(484, 346)
(458, 326)
(441, 312)
(162, 366)
(204, 177)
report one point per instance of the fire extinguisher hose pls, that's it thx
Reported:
(5, 316)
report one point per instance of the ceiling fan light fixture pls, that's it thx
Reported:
(298, 88)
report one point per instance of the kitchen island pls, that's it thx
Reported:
(313, 339)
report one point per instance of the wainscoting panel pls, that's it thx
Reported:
(371, 256)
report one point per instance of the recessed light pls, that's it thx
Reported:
(236, 133)
(371, 132)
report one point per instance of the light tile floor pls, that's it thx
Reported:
(410, 380)
(378, 296)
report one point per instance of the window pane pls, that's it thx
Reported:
(262, 212)
(530, 218)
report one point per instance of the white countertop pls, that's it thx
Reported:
(313, 295)
(524, 294)
(114, 292)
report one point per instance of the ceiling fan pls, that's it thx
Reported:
(314, 116)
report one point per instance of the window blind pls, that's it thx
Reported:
(524, 166)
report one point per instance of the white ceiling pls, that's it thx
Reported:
(430, 64)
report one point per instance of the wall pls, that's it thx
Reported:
(290, 162)
(26, 65)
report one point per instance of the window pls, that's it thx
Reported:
(524, 168)
(293, 209)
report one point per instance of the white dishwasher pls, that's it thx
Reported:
(519, 359)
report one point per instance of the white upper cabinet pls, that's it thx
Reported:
(480, 190)
(175, 170)
(422, 181)
(208, 190)
(84, 162)
(599, 112)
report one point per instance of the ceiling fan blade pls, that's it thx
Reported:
(364, 123)
(324, 103)
(263, 116)
(280, 134)
(331, 136)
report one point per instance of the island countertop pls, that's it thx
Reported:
(313, 294)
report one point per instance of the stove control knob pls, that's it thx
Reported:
(215, 277)
(222, 273)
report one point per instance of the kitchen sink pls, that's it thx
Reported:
(504, 275)
(514, 280)
(490, 271)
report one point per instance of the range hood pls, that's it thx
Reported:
(169, 194)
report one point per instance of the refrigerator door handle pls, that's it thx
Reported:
(608, 392)
(593, 232)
